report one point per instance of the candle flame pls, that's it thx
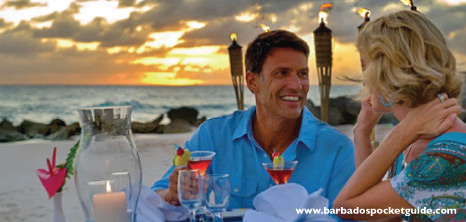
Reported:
(323, 13)
(407, 2)
(363, 12)
(233, 37)
(323, 17)
(265, 28)
(109, 188)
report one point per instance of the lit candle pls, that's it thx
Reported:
(110, 206)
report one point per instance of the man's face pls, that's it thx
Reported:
(281, 88)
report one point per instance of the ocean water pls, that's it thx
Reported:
(45, 103)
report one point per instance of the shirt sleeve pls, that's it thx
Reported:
(434, 181)
(164, 181)
(342, 170)
(201, 140)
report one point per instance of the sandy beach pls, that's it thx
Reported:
(22, 198)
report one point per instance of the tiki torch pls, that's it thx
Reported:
(236, 66)
(365, 14)
(409, 3)
(323, 48)
(265, 28)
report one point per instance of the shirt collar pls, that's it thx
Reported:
(244, 123)
(307, 132)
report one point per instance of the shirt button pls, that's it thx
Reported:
(235, 190)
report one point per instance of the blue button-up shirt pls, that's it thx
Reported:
(325, 156)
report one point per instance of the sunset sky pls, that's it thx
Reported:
(178, 42)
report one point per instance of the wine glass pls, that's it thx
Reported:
(217, 194)
(190, 191)
(280, 174)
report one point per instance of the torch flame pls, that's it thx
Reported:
(323, 13)
(407, 2)
(233, 37)
(108, 187)
(323, 17)
(326, 7)
(363, 12)
(265, 28)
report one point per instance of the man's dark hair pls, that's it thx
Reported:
(259, 48)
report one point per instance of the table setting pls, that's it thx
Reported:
(108, 179)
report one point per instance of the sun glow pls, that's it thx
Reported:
(165, 39)
(246, 16)
(193, 25)
(195, 51)
(106, 9)
(66, 43)
(163, 63)
(13, 15)
(168, 79)
(453, 2)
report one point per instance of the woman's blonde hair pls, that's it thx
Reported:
(407, 59)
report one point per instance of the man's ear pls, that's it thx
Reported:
(252, 81)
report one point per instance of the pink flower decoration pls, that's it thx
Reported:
(52, 179)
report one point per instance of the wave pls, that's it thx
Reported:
(134, 103)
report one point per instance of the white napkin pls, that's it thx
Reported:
(279, 204)
(153, 208)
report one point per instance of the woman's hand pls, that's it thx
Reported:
(431, 119)
(367, 119)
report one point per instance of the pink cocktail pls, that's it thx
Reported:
(200, 160)
(282, 174)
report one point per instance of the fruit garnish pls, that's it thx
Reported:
(278, 160)
(182, 156)
(180, 152)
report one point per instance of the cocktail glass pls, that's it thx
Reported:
(201, 160)
(281, 175)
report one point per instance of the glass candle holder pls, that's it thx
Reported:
(108, 169)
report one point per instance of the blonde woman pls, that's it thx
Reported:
(409, 71)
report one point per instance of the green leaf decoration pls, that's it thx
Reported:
(68, 165)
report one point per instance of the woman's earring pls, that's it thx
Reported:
(384, 102)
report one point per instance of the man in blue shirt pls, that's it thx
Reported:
(277, 75)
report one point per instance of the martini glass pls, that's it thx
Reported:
(281, 174)
(200, 160)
